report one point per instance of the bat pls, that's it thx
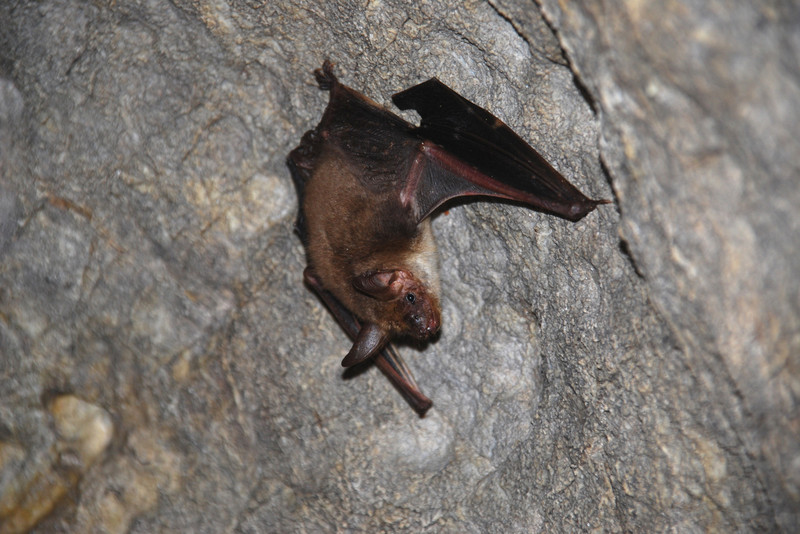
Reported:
(368, 181)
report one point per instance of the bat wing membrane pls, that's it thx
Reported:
(462, 139)
(376, 142)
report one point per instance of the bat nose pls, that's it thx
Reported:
(425, 326)
(432, 325)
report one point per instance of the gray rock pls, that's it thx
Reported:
(636, 371)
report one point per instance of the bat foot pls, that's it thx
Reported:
(326, 79)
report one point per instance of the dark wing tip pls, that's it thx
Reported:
(579, 210)
(326, 79)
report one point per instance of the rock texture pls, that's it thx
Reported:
(163, 363)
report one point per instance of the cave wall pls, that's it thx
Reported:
(164, 368)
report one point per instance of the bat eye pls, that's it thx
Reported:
(411, 298)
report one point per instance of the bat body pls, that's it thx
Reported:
(367, 182)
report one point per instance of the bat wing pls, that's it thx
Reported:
(464, 150)
(300, 162)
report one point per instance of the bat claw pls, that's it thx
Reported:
(326, 79)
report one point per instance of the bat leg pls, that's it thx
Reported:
(388, 360)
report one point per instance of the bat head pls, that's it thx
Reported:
(411, 308)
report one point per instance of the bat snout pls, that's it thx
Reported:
(424, 327)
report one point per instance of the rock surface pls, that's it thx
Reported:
(639, 370)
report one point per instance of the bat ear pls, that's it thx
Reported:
(371, 339)
(382, 285)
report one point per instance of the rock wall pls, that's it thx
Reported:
(164, 368)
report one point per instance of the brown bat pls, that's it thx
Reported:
(367, 182)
